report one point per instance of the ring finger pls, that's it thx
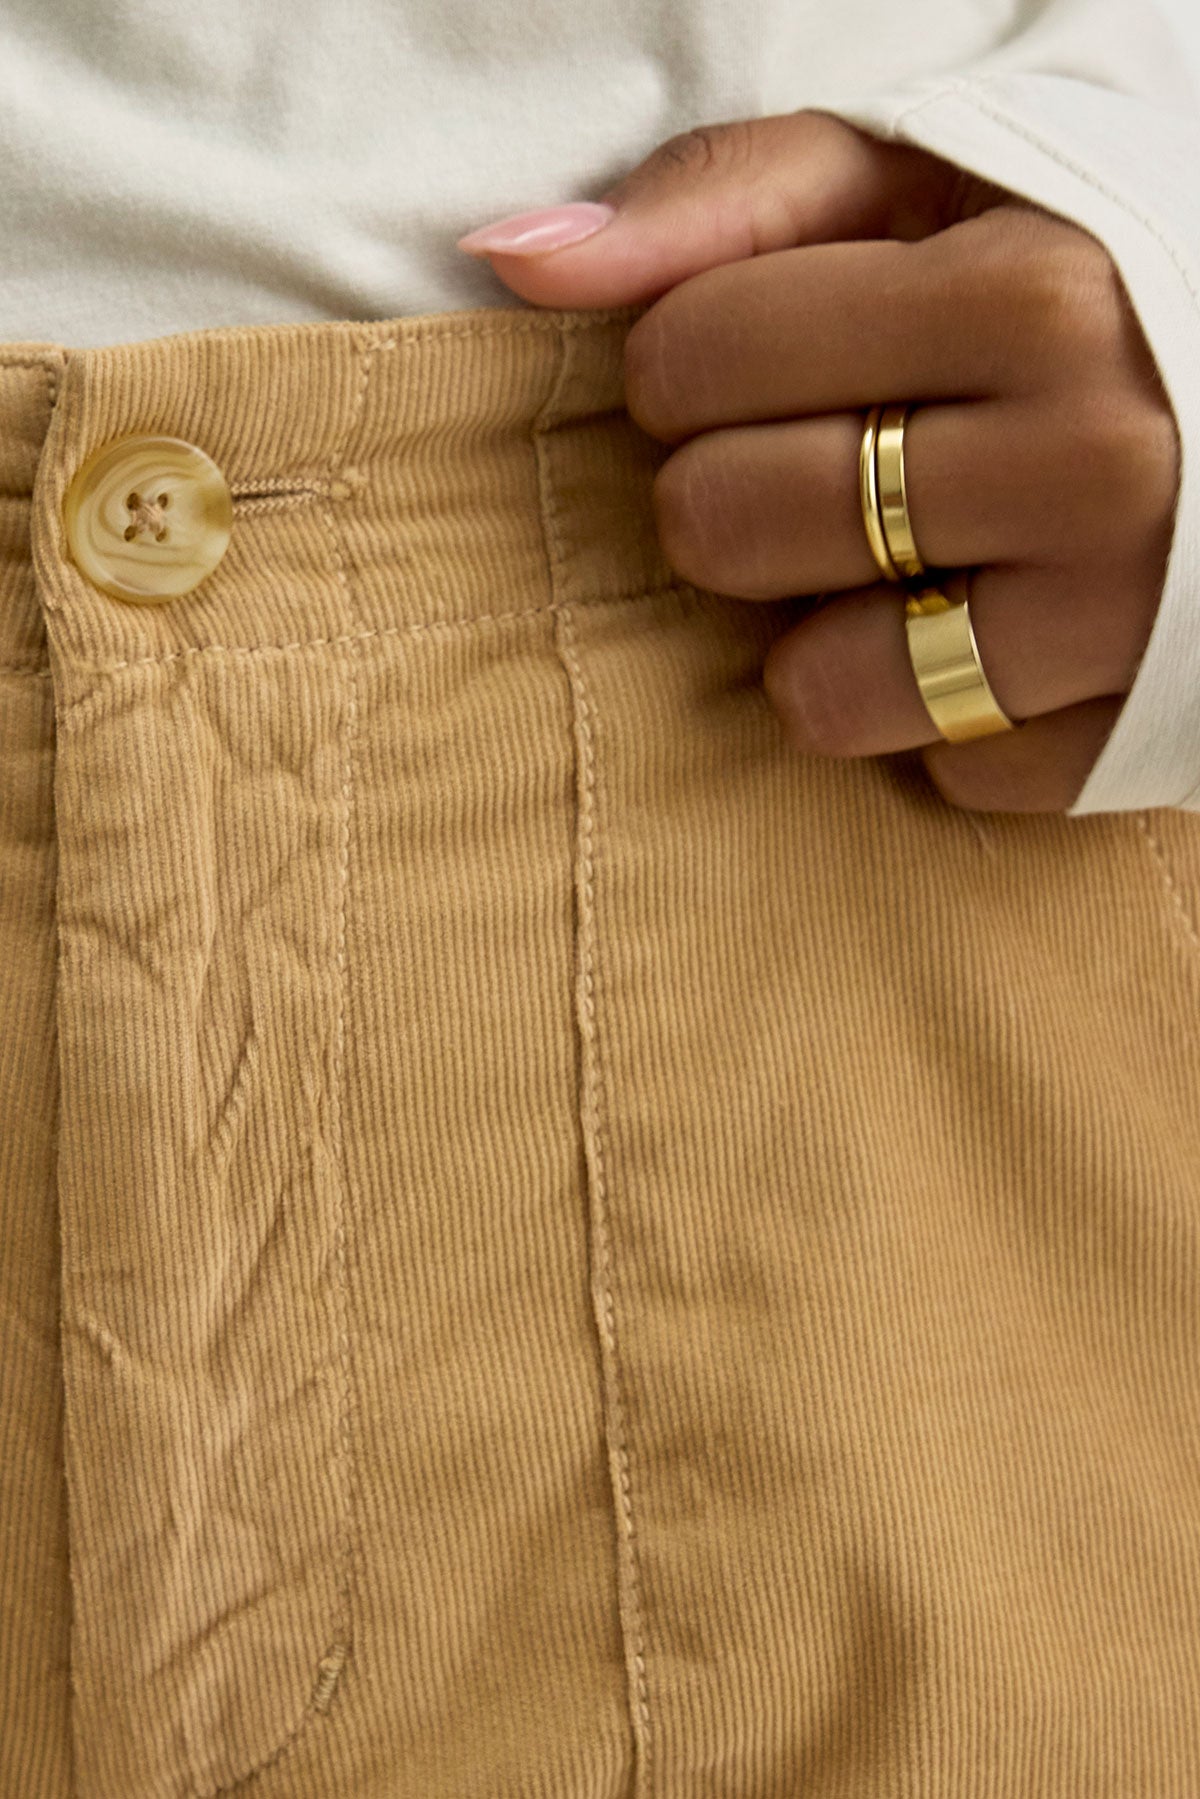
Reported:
(843, 683)
(761, 512)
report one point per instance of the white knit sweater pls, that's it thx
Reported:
(166, 168)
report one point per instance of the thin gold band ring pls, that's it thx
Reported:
(941, 640)
(893, 493)
(868, 488)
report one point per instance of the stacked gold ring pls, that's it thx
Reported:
(941, 642)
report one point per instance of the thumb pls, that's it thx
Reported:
(722, 193)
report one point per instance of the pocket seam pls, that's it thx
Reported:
(1170, 885)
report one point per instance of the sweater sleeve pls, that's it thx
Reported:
(1087, 111)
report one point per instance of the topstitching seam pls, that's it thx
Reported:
(345, 638)
(1170, 885)
(542, 320)
(975, 97)
(330, 1665)
(592, 1121)
(267, 493)
(49, 366)
(260, 493)
(49, 362)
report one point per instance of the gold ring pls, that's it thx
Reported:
(893, 493)
(945, 660)
(868, 489)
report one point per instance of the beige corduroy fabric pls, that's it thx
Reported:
(554, 1247)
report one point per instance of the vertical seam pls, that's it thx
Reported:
(332, 1663)
(329, 1667)
(591, 1105)
(69, 1443)
(53, 371)
(1170, 885)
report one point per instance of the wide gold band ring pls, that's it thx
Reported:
(945, 660)
(941, 641)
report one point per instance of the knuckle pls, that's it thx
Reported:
(1124, 464)
(947, 776)
(692, 508)
(971, 783)
(702, 148)
(1009, 773)
(691, 152)
(681, 501)
(670, 358)
(1069, 294)
(1150, 463)
(818, 711)
(649, 375)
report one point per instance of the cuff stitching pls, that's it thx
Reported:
(972, 92)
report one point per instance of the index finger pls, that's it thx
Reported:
(986, 309)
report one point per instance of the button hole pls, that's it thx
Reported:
(134, 501)
(130, 532)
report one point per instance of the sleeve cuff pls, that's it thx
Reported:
(1126, 171)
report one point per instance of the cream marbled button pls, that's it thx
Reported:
(147, 518)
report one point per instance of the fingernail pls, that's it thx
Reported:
(531, 233)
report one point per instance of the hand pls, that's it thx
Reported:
(801, 272)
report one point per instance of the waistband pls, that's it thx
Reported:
(385, 475)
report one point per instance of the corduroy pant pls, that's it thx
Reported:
(553, 1246)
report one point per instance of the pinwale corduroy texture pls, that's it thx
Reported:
(554, 1248)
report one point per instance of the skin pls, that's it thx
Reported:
(800, 271)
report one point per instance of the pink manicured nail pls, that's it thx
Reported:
(532, 233)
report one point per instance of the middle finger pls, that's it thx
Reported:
(761, 512)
